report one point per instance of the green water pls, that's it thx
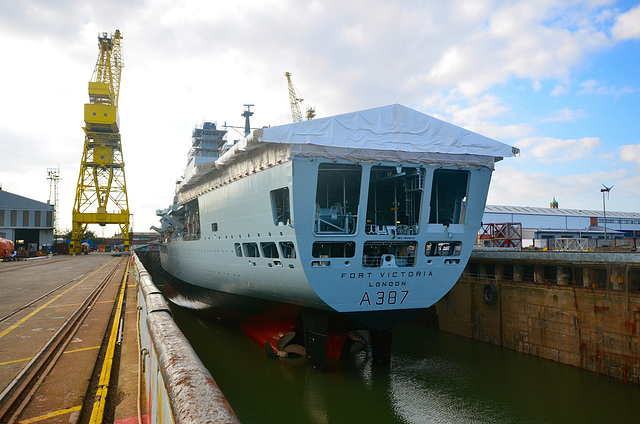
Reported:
(434, 377)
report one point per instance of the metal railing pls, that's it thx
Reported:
(182, 389)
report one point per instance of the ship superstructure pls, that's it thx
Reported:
(371, 215)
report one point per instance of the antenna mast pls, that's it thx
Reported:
(53, 175)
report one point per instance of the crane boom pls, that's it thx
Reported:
(295, 101)
(106, 74)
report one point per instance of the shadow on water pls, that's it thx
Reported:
(434, 377)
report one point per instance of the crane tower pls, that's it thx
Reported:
(101, 193)
(53, 175)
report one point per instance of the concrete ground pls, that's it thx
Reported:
(25, 327)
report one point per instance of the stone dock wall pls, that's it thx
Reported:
(584, 313)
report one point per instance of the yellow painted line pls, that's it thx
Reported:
(51, 415)
(81, 350)
(97, 413)
(15, 360)
(76, 304)
(17, 324)
(28, 359)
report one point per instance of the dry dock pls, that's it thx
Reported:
(63, 318)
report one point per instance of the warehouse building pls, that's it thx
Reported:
(26, 222)
(554, 223)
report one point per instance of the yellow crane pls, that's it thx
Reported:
(101, 192)
(295, 100)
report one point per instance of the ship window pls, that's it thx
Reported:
(288, 250)
(448, 197)
(443, 248)
(338, 249)
(238, 249)
(337, 198)
(269, 249)
(214, 226)
(251, 250)
(388, 254)
(395, 196)
(280, 206)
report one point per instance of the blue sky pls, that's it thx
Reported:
(558, 79)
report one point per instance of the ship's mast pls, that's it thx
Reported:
(247, 113)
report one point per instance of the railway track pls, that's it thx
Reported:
(33, 302)
(22, 388)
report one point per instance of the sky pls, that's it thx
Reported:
(560, 80)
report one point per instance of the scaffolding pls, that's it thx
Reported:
(504, 235)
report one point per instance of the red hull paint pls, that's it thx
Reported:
(268, 329)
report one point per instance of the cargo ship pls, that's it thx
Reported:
(357, 220)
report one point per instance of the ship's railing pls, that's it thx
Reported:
(186, 392)
(391, 230)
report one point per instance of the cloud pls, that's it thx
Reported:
(475, 114)
(520, 39)
(548, 149)
(574, 191)
(630, 153)
(592, 86)
(627, 25)
(565, 115)
(559, 90)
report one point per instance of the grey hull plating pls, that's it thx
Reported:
(362, 233)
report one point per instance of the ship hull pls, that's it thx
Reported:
(239, 309)
(369, 216)
(378, 294)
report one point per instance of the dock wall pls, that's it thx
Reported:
(179, 388)
(582, 311)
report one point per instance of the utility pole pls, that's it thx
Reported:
(604, 210)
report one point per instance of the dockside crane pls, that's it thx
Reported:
(101, 193)
(295, 100)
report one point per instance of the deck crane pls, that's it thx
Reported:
(295, 101)
(101, 183)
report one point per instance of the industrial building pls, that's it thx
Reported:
(553, 223)
(26, 222)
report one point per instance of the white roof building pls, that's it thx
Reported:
(555, 222)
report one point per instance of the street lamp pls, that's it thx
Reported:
(580, 223)
(604, 210)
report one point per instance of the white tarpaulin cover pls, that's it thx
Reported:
(393, 127)
(392, 133)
